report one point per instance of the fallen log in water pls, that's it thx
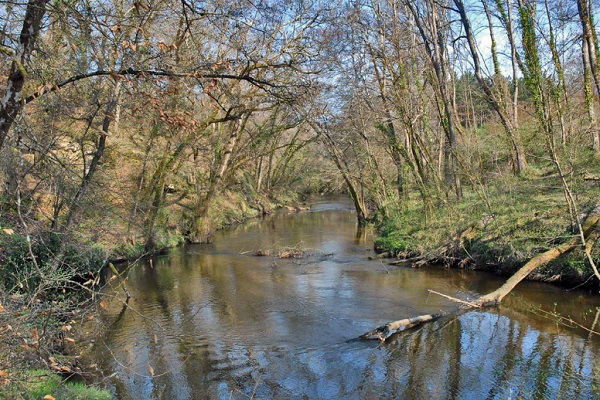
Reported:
(387, 330)
(589, 235)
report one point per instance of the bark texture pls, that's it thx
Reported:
(12, 103)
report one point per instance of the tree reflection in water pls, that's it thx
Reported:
(215, 322)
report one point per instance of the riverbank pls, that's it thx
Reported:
(226, 209)
(497, 229)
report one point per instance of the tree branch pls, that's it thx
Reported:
(122, 74)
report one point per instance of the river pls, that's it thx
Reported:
(217, 322)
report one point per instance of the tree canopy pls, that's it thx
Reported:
(134, 124)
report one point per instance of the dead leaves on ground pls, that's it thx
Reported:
(56, 366)
(103, 305)
(4, 377)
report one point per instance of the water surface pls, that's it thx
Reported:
(215, 321)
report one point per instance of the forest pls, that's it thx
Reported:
(466, 131)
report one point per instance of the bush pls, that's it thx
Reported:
(18, 272)
(15, 263)
(128, 251)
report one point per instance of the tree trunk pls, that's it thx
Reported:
(89, 174)
(385, 331)
(435, 39)
(358, 200)
(12, 101)
(562, 99)
(496, 296)
(591, 68)
(492, 97)
(588, 229)
(202, 229)
(388, 127)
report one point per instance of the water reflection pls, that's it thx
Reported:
(216, 322)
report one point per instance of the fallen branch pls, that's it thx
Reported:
(495, 297)
(122, 283)
(467, 303)
(387, 330)
(590, 232)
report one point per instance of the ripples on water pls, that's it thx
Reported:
(213, 321)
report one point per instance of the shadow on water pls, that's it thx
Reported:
(213, 321)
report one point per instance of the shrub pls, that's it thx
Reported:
(18, 272)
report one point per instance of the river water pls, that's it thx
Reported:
(217, 322)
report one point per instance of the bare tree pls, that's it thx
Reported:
(591, 68)
(493, 95)
(431, 21)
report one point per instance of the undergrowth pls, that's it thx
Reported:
(521, 217)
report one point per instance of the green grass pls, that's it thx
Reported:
(38, 384)
(526, 215)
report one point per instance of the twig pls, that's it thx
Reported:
(591, 330)
(567, 321)
(384, 267)
(28, 236)
(473, 305)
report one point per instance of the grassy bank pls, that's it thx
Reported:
(42, 384)
(497, 228)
